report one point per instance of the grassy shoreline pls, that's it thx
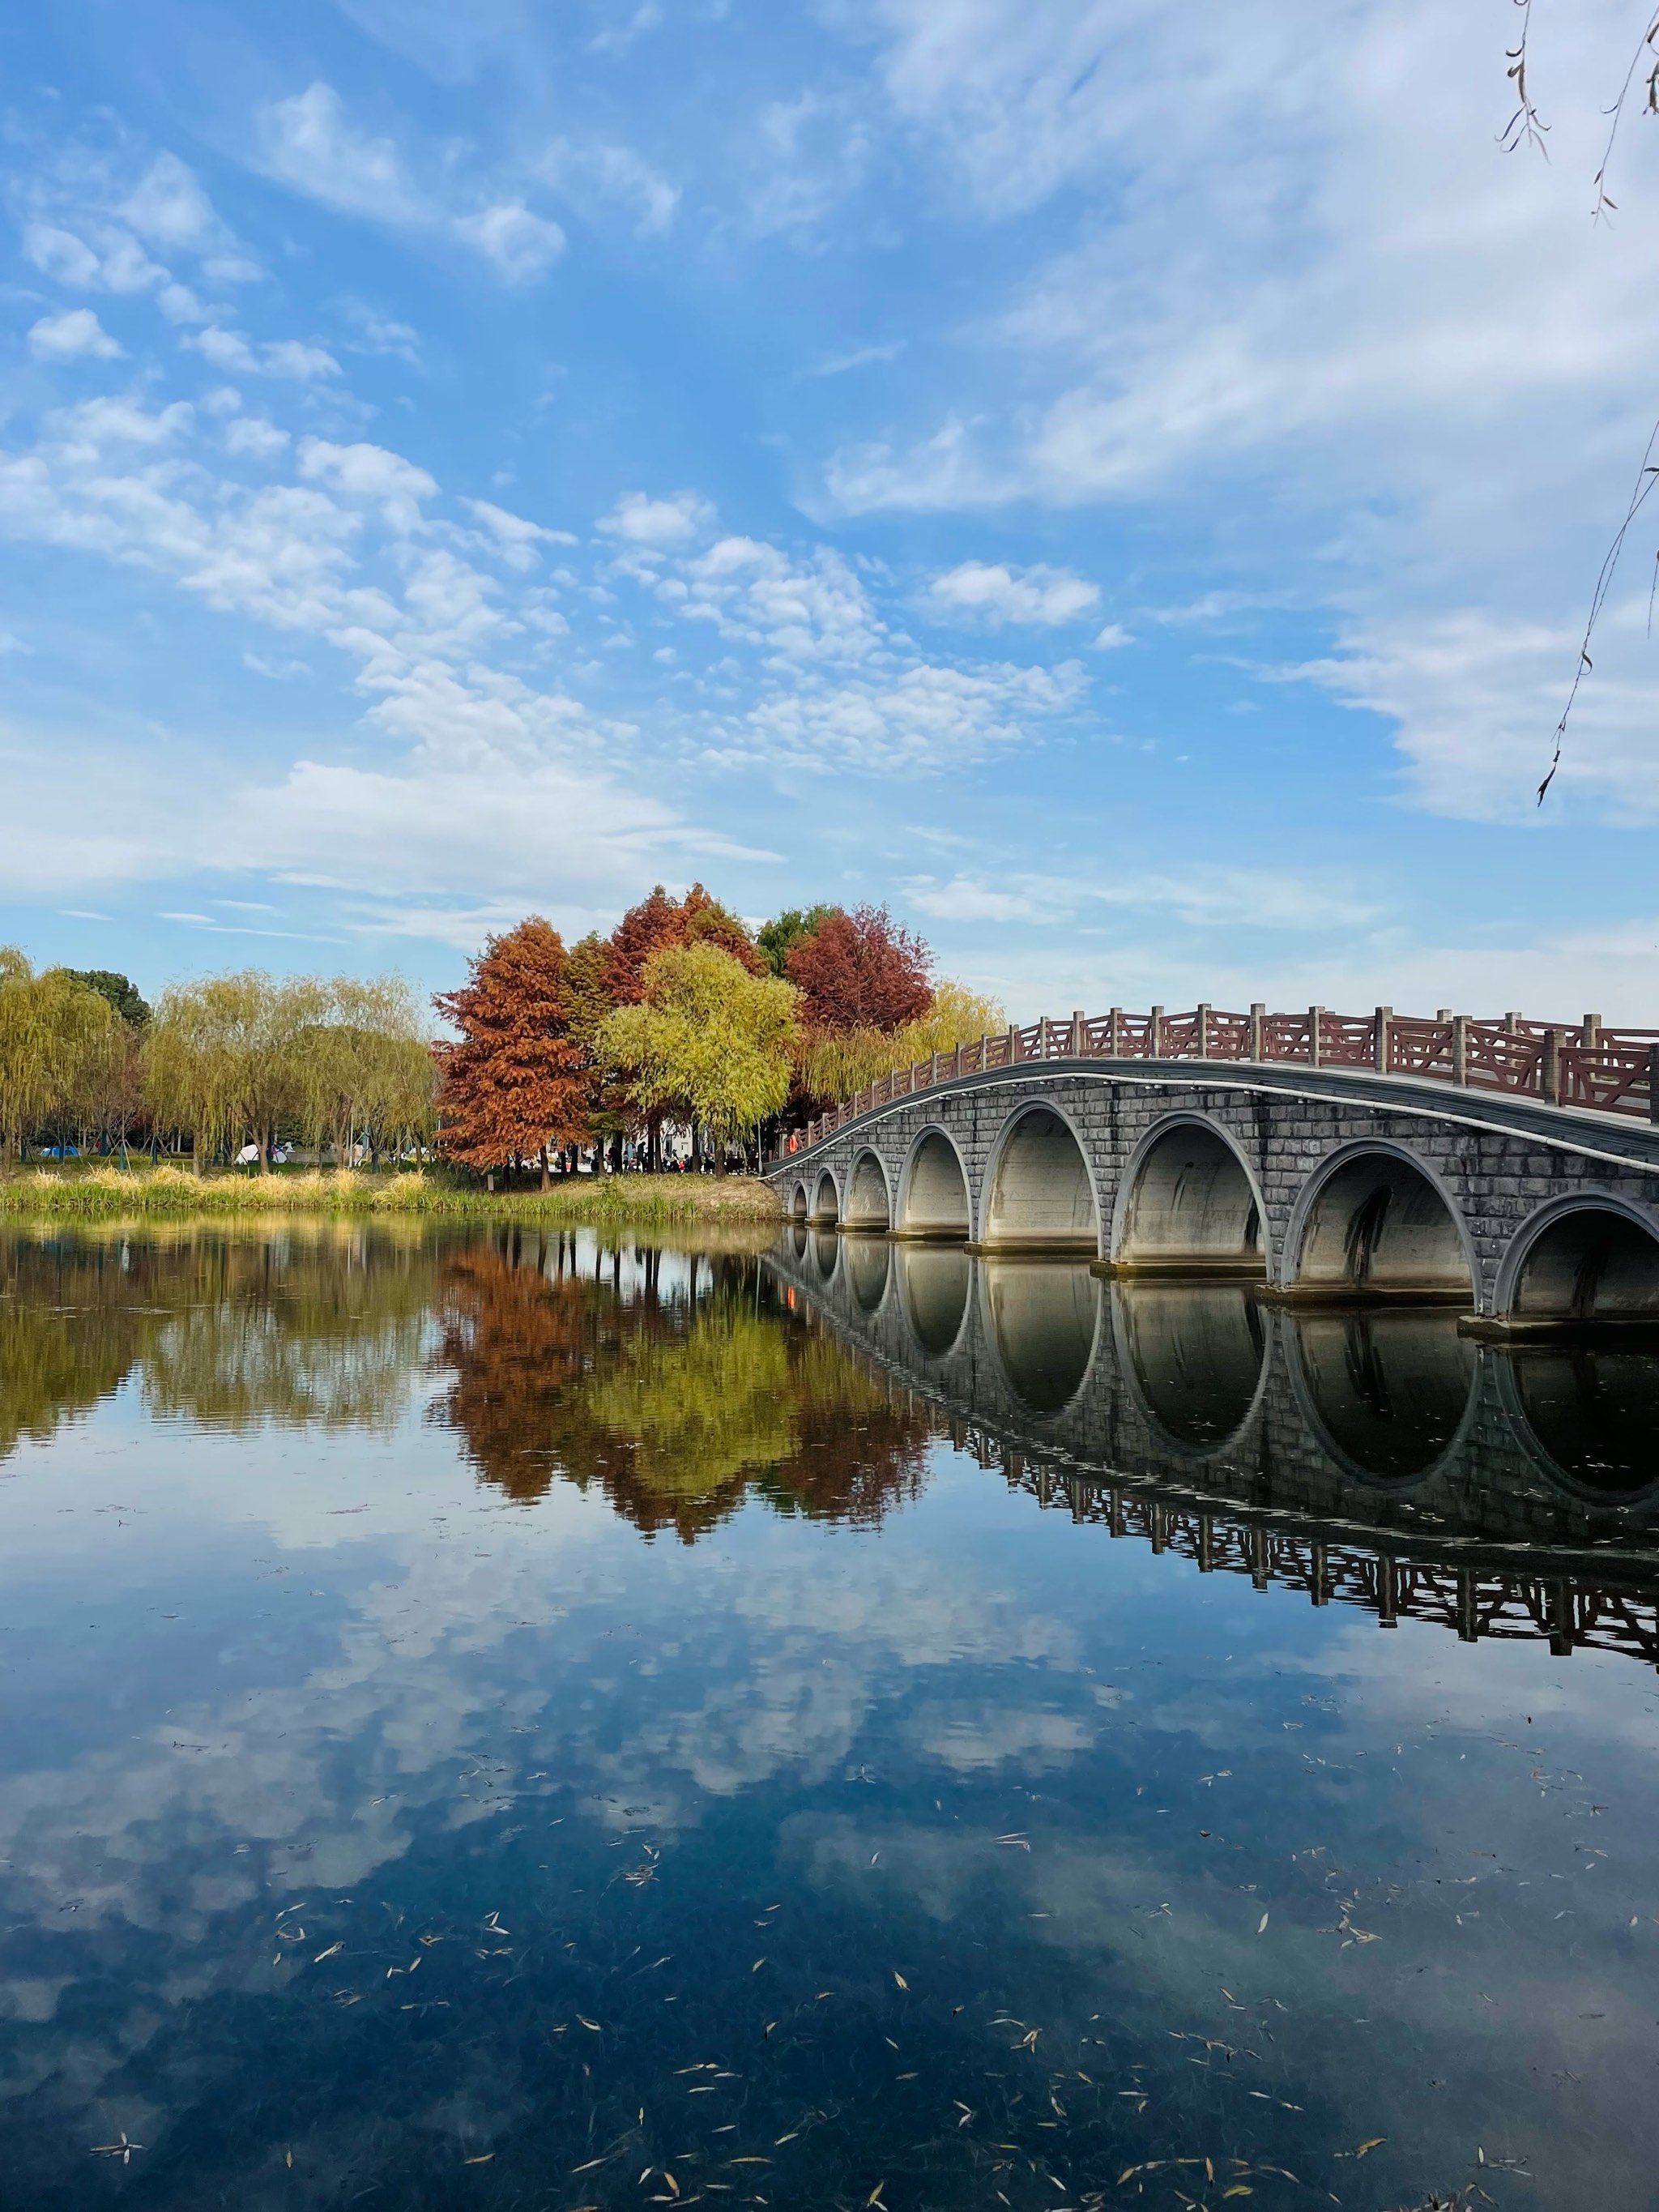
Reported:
(113, 1193)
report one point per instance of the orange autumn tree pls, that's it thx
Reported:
(512, 1086)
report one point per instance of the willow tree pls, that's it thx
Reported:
(54, 1035)
(224, 1057)
(833, 1064)
(366, 1066)
(708, 1041)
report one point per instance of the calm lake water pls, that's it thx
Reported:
(504, 1720)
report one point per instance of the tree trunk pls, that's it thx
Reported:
(264, 1141)
(547, 1180)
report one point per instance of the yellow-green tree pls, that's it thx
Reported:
(834, 1066)
(54, 1036)
(365, 1068)
(708, 1041)
(224, 1057)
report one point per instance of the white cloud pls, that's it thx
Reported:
(181, 305)
(1201, 897)
(168, 207)
(516, 537)
(838, 364)
(288, 357)
(797, 609)
(226, 349)
(924, 721)
(311, 144)
(1112, 637)
(230, 350)
(61, 254)
(592, 175)
(253, 437)
(995, 593)
(370, 471)
(638, 519)
(72, 336)
(521, 246)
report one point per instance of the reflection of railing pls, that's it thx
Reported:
(1395, 1579)
(1563, 1611)
(1564, 1064)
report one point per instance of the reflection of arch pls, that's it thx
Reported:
(1373, 1222)
(798, 1238)
(868, 1263)
(798, 1204)
(1195, 1356)
(1188, 1200)
(869, 1204)
(826, 1251)
(933, 1292)
(826, 1199)
(1586, 1414)
(1043, 1320)
(1591, 1256)
(1388, 1394)
(1038, 1189)
(933, 1198)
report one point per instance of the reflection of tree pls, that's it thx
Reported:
(674, 1409)
(68, 1335)
(321, 1323)
(325, 1330)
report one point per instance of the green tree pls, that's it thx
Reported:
(708, 1041)
(53, 1034)
(778, 937)
(122, 996)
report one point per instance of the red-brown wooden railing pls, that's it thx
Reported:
(1574, 1064)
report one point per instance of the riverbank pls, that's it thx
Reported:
(113, 1193)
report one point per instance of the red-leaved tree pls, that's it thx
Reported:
(661, 924)
(860, 971)
(512, 1086)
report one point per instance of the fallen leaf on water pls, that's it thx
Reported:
(874, 2198)
(1262, 1930)
(288, 2159)
(593, 2024)
(1374, 2143)
(482, 2159)
(900, 1980)
(328, 1954)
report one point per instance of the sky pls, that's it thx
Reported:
(1120, 485)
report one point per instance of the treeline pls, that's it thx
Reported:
(681, 1032)
(683, 1020)
(343, 1064)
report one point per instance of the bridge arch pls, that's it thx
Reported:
(867, 1262)
(1389, 1396)
(1375, 1221)
(1042, 1323)
(1194, 1358)
(800, 1204)
(1039, 1191)
(826, 1196)
(869, 1201)
(933, 1285)
(935, 1192)
(1188, 1201)
(1588, 1256)
(1583, 1414)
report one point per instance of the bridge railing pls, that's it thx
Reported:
(1576, 1064)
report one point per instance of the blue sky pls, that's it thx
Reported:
(1121, 485)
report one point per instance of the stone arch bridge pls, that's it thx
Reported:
(1511, 1168)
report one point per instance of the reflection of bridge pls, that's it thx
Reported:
(1377, 1457)
(1511, 1168)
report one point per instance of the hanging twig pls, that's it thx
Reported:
(1603, 204)
(1645, 478)
(1525, 127)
